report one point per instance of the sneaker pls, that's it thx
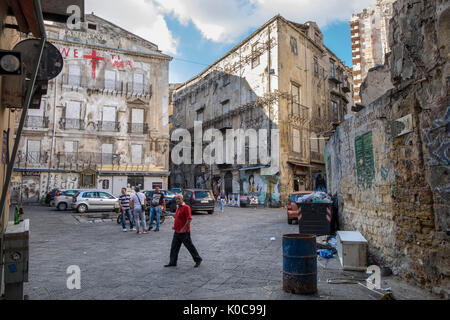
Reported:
(150, 228)
(157, 229)
(144, 231)
(170, 265)
(134, 229)
(140, 232)
(124, 230)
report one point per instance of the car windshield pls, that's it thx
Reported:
(69, 192)
(170, 194)
(76, 194)
(202, 194)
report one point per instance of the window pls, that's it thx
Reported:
(193, 96)
(110, 80)
(105, 195)
(296, 140)
(92, 26)
(226, 79)
(332, 70)
(255, 55)
(33, 151)
(107, 153)
(316, 67)
(138, 83)
(136, 154)
(109, 119)
(74, 78)
(200, 114)
(294, 45)
(295, 103)
(73, 115)
(156, 184)
(136, 182)
(71, 147)
(91, 195)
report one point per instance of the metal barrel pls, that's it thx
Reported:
(299, 263)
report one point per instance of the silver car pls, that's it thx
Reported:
(65, 199)
(93, 200)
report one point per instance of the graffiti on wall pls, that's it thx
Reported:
(264, 187)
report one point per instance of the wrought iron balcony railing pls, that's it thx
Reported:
(138, 128)
(110, 126)
(67, 123)
(31, 158)
(36, 122)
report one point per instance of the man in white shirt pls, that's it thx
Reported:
(137, 203)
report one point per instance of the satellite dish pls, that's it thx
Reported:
(51, 63)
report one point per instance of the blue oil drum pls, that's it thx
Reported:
(299, 263)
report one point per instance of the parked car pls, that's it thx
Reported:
(91, 200)
(292, 207)
(51, 196)
(168, 195)
(177, 190)
(65, 199)
(199, 200)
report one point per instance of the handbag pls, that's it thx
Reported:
(144, 207)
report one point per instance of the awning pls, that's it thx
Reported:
(300, 164)
(28, 15)
(254, 167)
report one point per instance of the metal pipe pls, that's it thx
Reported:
(30, 91)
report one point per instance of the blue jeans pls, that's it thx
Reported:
(152, 216)
(222, 204)
(130, 217)
(139, 217)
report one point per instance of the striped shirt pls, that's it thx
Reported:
(125, 201)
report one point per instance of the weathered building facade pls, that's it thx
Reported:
(280, 77)
(369, 35)
(389, 163)
(104, 120)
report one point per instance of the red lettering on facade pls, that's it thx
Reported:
(65, 51)
(94, 58)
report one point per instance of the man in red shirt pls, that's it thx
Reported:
(182, 234)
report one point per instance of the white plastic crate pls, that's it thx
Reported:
(352, 250)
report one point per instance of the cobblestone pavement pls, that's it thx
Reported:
(239, 260)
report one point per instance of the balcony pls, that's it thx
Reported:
(71, 159)
(108, 126)
(67, 123)
(334, 78)
(100, 85)
(317, 156)
(140, 128)
(346, 86)
(26, 159)
(36, 122)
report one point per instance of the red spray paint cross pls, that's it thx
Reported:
(94, 59)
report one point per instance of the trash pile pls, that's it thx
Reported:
(315, 197)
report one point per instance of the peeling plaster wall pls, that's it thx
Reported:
(405, 217)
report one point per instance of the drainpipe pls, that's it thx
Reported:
(53, 136)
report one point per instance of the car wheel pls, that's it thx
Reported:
(162, 219)
(82, 208)
(289, 221)
(62, 206)
(119, 219)
(52, 203)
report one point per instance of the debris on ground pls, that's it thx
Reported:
(315, 197)
(327, 254)
(272, 239)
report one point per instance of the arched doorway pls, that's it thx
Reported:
(228, 183)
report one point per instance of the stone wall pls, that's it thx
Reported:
(404, 213)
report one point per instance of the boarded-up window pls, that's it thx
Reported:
(107, 153)
(71, 146)
(73, 110)
(137, 115)
(255, 55)
(296, 99)
(110, 80)
(74, 75)
(109, 114)
(33, 151)
(294, 45)
(136, 154)
(138, 83)
(365, 165)
(296, 141)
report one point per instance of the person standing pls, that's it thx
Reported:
(182, 234)
(124, 202)
(222, 200)
(156, 201)
(137, 203)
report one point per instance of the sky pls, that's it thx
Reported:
(198, 32)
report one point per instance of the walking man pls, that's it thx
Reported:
(182, 234)
(124, 202)
(156, 201)
(137, 207)
(222, 200)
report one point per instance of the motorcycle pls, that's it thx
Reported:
(162, 218)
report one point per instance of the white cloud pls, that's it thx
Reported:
(137, 16)
(226, 21)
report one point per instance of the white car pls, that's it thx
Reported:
(94, 200)
(64, 200)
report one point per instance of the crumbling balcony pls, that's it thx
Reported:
(108, 126)
(139, 128)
